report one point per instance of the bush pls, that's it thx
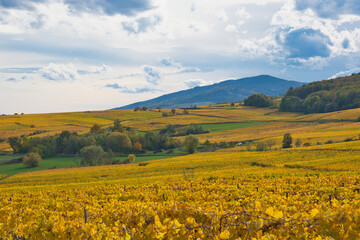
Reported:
(92, 155)
(32, 160)
(287, 140)
(298, 142)
(207, 143)
(191, 143)
(130, 159)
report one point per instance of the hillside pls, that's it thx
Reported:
(324, 96)
(226, 91)
(226, 193)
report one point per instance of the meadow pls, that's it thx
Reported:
(65, 162)
(305, 192)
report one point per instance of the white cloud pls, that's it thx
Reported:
(346, 73)
(191, 83)
(231, 28)
(242, 13)
(59, 72)
(212, 40)
(152, 74)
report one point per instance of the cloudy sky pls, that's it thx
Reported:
(74, 55)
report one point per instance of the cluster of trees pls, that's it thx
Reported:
(140, 109)
(97, 147)
(259, 100)
(323, 96)
(173, 113)
(214, 145)
(175, 131)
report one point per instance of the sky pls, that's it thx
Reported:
(78, 55)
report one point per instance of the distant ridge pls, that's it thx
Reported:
(226, 91)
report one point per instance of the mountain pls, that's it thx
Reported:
(226, 91)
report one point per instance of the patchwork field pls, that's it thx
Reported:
(235, 118)
(305, 192)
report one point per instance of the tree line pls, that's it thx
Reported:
(99, 145)
(316, 97)
(323, 96)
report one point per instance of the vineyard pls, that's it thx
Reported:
(296, 194)
(270, 121)
(250, 208)
(310, 191)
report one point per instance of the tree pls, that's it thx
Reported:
(75, 143)
(15, 144)
(95, 128)
(144, 108)
(291, 104)
(169, 129)
(32, 160)
(191, 143)
(118, 142)
(173, 111)
(137, 147)
(136, 109)
(232, 104)
(298, 142)
(287, 140)
(19, 145)
(92, 155)
(258, 100)
(117, 126)
(130, 159)
(60, 146)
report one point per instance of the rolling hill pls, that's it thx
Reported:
(324, 96)
(226, 91)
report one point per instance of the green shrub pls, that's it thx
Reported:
(191, 143)
(32, 160)
(92, 155)
(130, 159)
(287, 140)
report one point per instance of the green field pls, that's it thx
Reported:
(65, 162)
(220, 127)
